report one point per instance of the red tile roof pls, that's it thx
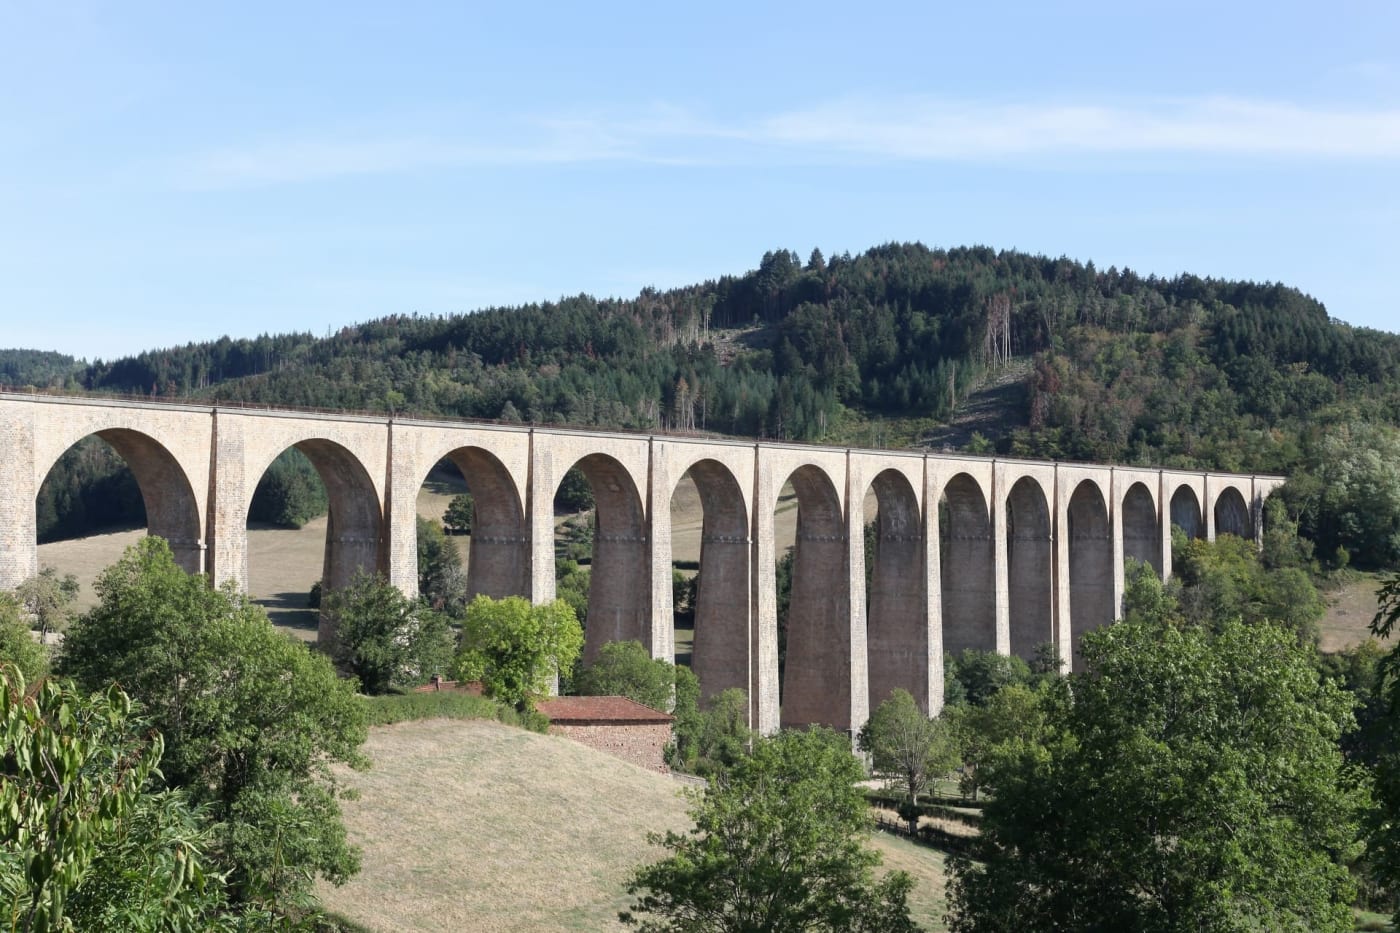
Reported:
(599, 710)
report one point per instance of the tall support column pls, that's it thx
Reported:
(763, 694)
(933, 576)
(1001, 559)
(1208, 498)
(859, 673)
(401, 515)
(19, 487)
(658, 506)
(1164, 522)
(228, 502)
(1115, 530)
(1064, 627)
(539, 516)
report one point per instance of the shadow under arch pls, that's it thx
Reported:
(354, 524)
(722, 656)
(619, 580)
(498, 559)
(1186, 512)
(1141, 538)
(172, 512)
(968, 567)
(816, 681)
(1030, 568)
(1232, 515)
(1090, 565)
(896, 628)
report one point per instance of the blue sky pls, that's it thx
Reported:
(175, 172)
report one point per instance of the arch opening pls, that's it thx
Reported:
(710, 552)
(486, 527)
(896, 629)
(97, 496)
(332, 499)
(1030, 568)
(968, 569)
(1186, 512)
(1232, 515)
(1141, 538)
(1090, 565)
(619, 569)
(815, 673)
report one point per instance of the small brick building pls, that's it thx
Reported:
(616, 725)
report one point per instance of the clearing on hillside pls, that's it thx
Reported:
(478, 826)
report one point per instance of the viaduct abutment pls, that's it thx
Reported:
(968, 552)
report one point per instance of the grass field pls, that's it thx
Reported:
(478, 826)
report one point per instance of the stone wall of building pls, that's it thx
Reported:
(642, 744)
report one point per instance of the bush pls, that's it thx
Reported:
(411, 707)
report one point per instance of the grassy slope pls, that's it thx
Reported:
(477, 826)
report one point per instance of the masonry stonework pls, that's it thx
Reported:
(970, 552)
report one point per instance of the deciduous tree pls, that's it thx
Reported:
(1194, 782)
(906, 747)
(515, 649)
(778, 846)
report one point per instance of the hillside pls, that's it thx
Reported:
(478, 826)
(901, 345)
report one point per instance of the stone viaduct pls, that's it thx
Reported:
(970, 552)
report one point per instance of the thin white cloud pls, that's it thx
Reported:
(845, 129)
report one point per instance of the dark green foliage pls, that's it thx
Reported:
(975, 676)
(1383, 747)
(1226, 579)
(574, 494)
(778, 846)
(571, 585)
(712, 739)
(626, 668)
(446, 704)
(1347, 495)
(37, 369)
(461, 512)
(17, 646)
(1189, 780)
(442, 583)
(290, 493)
(386, 639)
(252, 720)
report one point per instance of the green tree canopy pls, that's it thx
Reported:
(1194, 782)
(625, 668)
(85, 841)
(386, 639)
(17, 646)
(906, 747)
(252, 720)
(515, 649)
(460, 514)
(778, 846)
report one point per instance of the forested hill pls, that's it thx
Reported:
(1108, 365)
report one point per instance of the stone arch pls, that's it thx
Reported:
(1030, 571)
(354, 524)
(968, 567)
(172, 509)
(1232, 514)
(498, 561)
(1090, 564)
(720, 656)
(896, 628)
(1141, 537)
(619, 583)
(816, 682)
(1186, 512)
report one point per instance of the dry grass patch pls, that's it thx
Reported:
(1350, 610)
(477, 826)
